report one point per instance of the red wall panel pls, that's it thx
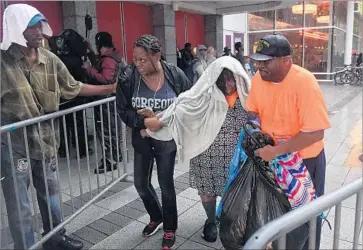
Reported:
(180, 29)
(195, 29)
(138, 21)
(109, 20)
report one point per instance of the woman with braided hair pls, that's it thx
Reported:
(151, 84)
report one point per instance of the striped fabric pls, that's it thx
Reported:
(293, 177)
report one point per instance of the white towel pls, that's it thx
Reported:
(15, 21)
(197, 115)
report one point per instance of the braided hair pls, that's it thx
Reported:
(149, 43)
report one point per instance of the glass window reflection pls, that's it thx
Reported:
(338, 44)
(263, 20)
(296, 40)
(290, 18)
(316, 49)
(340, 14)
(320, 17)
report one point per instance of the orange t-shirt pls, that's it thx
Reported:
(294, 105)
(231, 99)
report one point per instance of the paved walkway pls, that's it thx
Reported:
(116, 220)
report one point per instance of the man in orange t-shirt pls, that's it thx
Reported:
(291, 107)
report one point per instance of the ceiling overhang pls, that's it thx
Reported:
(225, 7)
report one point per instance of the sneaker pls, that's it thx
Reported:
(152, 228)
(66, 243)
(109, 167)
(168, 240)
(210, 232)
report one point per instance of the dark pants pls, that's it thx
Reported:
(22, 222)
(317, 167)
(110, 139)
(70, 128)
(143, 166)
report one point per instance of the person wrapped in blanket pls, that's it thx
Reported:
(206, 122)
(289, 102)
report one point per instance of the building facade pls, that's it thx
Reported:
(316, 29)
(125, 21)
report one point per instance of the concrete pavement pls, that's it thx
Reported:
(116, 220)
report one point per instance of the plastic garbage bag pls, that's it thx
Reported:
(252, 196)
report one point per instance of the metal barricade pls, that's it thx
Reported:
(278, 228)
(81, 188)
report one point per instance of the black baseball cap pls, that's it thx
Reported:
(271, 46)
(104, 39)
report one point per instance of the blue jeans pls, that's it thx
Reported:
(22, 222)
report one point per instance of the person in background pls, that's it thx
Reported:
(283, 96)
(249, 67)
(200, 62)
(227, 51)
(32, 81)
(71, 47)
(178, 57)
(354, 59)
(154, 84)
(107, 63)
(239, 53)
(186, 56)
(360, 60)
(211, 55)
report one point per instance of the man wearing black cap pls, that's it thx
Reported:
(291, 107)
(107, 64)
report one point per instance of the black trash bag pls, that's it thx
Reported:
(254, 198)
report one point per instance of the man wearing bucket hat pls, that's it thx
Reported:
(32, 82)
(288, 100)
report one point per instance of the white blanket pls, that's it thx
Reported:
(197, 115)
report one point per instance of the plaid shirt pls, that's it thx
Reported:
(31, 91)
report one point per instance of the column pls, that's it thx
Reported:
(74, 13)
(164, 30)
(245, 36)
(214, 32)
(349, 34)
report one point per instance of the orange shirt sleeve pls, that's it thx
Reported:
(311, 106)
(251, 102)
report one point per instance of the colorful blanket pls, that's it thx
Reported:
(293, 177)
